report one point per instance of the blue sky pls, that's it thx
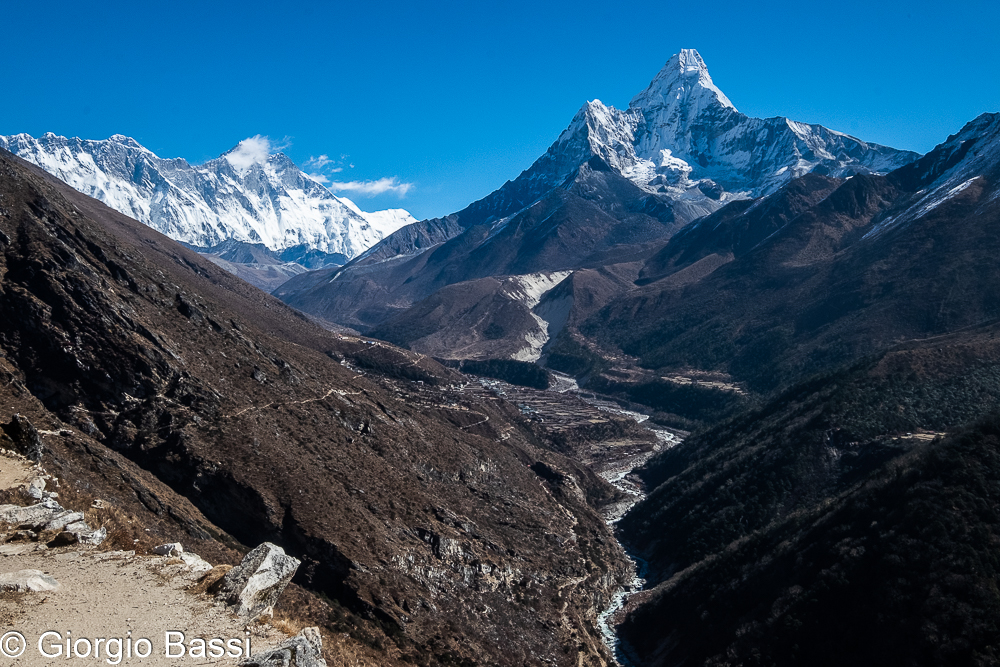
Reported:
(453, 98)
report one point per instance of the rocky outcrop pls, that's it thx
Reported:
(255, 584)
(302, 650)
(51, 520)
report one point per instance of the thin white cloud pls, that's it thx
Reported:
(285, 143)
(319, 178)
(373, 188)
(253, 150)
(323, 163)
(318, 162)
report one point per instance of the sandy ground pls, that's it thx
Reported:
(110, 595)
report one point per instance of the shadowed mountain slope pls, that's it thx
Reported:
(833, 526)
(212, 409)
(569, 227)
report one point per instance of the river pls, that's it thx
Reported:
(616, 469)
(619, 475)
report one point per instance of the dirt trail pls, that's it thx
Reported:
(16, 471)
(325, 396)
(107, 595)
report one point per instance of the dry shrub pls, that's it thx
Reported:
(284, 623)
(299, 608)
(208, 582)
(13, 496)
(343, 651)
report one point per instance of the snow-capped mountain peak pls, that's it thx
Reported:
(596, 129)
(248, 194)
(683, 138)
(384, 222)
(683, 81)
(684, 141)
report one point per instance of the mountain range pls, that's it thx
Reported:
(781, 342)
(247, 196)
(612, 186)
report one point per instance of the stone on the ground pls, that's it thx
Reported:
(255, 584)
(92, 537)
(24, 437)
(28, 581)
(36, 489)
(171, 549)
(51, 503)
(194, 562)
(303, 650)
(79, 533)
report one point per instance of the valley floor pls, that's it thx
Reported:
(564, 407)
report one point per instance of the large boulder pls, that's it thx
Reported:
(255, 584)
(303, 650)
(84, 534)
(195, 563)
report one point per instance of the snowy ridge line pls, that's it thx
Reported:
(683, 138)
(246, 194)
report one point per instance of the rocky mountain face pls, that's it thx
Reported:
(822, 271)
(244, 196)
(571, 226)
(440, 525)
(854, 505)
(682, 136)
(613, 182)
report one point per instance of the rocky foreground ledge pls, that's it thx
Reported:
(57, 585)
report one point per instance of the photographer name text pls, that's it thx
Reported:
(113, 650)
